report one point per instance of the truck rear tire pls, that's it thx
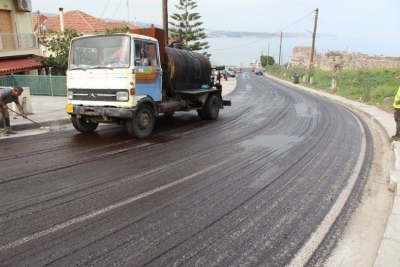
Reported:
(83, 125)
(142, 124)
(211, 108)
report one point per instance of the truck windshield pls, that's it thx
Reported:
(110, 51)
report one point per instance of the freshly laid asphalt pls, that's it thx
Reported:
(49, 111)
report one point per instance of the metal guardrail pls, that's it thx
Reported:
(38, 84)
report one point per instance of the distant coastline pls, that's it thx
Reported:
(234, 34)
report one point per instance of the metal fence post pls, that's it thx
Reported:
(51, 83)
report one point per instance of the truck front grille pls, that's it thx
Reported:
(95, 94)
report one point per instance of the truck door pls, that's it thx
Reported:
(148, 69)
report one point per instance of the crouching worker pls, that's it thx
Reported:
(9, 95)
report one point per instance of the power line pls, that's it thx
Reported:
(299, 5)
(101, 15)
(262, 38)
(104, 9)
(116, 9)
(328, 30)
(297, 21)
(241, 45)
(99, 19)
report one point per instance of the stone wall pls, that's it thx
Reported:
(353, 61)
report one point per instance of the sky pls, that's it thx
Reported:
(370, 27)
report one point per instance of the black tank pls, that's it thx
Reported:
(185, 70)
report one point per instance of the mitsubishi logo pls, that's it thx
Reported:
(92, 95)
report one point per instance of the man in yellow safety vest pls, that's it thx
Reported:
(396, 106)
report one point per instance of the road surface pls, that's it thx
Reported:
(272, 182)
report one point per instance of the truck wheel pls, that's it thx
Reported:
(211, 108)
(142, 123)
(84, 124)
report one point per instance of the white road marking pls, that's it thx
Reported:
(305, 253)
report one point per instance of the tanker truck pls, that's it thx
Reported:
(132, 78)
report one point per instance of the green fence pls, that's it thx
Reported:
(38, 84)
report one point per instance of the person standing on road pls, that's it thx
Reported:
(396, 106)
(9, 95)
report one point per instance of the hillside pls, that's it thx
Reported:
(375, 87)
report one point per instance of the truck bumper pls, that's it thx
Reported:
(105, 113)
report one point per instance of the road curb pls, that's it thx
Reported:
(48, 123)
(388, 253)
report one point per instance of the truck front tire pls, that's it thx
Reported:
(83, 125)
(142, 124)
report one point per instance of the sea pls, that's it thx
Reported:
(242, 52)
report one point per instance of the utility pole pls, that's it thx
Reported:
(165, 19)
(313, 43)
(127, 8)
(267, 56)
(39, 26)
(280, 49)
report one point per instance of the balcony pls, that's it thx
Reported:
(17, 44)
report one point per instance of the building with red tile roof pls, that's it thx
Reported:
(18, 44)
(18, 65)
(80, 21)
(35, 20)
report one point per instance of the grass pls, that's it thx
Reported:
(375, 87)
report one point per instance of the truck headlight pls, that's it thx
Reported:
(122, 96)
(70, 95)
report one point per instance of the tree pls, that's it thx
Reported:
(336, 69)
(187, 26)
(58, 44)
(122, 29)
(267, 60)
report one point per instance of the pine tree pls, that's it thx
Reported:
(187, 25)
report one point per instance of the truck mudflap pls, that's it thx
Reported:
(227, 103)
(104, 112)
